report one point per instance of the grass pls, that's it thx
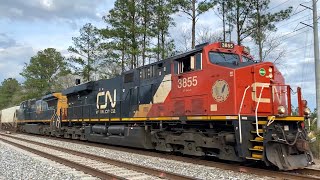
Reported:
(315, 146)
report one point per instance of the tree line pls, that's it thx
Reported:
(136, 33)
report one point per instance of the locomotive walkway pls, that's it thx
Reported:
(97, 166)
(151, 173)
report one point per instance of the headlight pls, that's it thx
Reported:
(270, 76)
(307, 111)
(281, 110)
(270, 72)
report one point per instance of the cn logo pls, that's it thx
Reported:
(276, 92)
(106, 95)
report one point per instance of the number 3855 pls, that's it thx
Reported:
(187, 82)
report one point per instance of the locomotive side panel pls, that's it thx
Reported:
(85, 100)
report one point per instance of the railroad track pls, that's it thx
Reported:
(306, 173)
(97, 166)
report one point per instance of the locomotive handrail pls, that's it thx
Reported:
(300, 105)
(256, 113)
(244, 95)
(52, 119)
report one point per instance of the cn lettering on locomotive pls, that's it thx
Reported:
(276, 95)
(214, 100)
(104, 97)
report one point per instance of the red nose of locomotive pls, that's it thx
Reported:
(266, 92)
(256, 96)
(238, 83)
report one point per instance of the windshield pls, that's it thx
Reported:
(219, 57)
(246, 59)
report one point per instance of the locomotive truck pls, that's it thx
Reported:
(214, 100)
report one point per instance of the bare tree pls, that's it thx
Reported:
(110, 70)
(183, 40)
(66, 82)
(193, 9)
(273, 49)
(205, 34)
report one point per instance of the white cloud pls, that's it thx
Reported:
(12, 60)
(49, 10)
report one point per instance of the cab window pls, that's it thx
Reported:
(23, 105)
(44, 106)
(220, 57)
(41, 106)
(38, 106)
(189, 63)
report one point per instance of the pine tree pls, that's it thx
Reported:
(124, 29)
(87, 52)
(162, 21)
(263, 22)
(132, 27)
(193, 9)
(147, 13)
(238, 14)
(115, 35)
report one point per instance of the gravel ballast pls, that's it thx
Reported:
(19, 164)
(188, 169)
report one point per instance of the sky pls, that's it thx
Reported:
(27, 27)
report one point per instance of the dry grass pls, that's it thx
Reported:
(315, 148)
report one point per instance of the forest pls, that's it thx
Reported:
(136, 33)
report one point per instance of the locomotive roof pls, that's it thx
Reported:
(48, 97)
(197, 48)
(88, 86)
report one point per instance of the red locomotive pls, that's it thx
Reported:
(214, 100)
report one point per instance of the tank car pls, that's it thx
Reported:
(214, 100)
(8, 118)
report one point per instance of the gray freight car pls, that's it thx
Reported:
(8, 118)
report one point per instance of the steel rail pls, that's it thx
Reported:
(135, 167)
(80, 167)
(306, 173)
